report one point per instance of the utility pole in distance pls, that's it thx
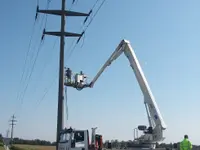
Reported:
(13, 120)
(7, 133)
(62, 34)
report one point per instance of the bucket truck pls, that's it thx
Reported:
(154, 133)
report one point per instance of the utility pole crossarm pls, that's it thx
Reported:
(66, 13)
(66, 34)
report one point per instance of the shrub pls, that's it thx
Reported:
(1, 144)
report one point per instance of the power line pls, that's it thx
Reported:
(38, 50)
(29, 77)
(29, 46)
(94, 4)
(45, 92)
(73, 48)
(45, 65)
(94, 15)
(73, 3)
(32, 69)
(44, 19)
(21, 96)
(45, 15)
(31, 60)
(54, 44)
(24, 66)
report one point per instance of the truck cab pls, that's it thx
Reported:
(71, 139)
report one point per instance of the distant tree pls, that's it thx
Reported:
(53, 143)
(175, 145)
(1, 138)
(105, 144)
(115, 143)
(123, 144)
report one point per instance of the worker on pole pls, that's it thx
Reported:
(68, 74)
(185, 144)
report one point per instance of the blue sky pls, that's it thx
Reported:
(165, 36)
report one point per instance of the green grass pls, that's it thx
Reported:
(33, 147)
(15, 148)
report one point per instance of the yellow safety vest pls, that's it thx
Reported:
(185, 145)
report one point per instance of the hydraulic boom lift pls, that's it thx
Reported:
(152, 134)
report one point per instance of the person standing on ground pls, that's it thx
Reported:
(185, 144)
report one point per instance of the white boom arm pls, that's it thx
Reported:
(154, 116)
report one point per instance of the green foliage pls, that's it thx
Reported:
(1, 138)
(1, 144)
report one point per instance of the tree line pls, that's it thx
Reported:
(130, 143)
(33, 142)
(114, 143)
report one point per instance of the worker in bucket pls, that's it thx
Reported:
(83, 77)
(68, 74)
(185, 144)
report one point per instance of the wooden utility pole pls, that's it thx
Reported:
(62, 34)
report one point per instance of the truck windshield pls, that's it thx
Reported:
(77, 137)
(64, 137)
